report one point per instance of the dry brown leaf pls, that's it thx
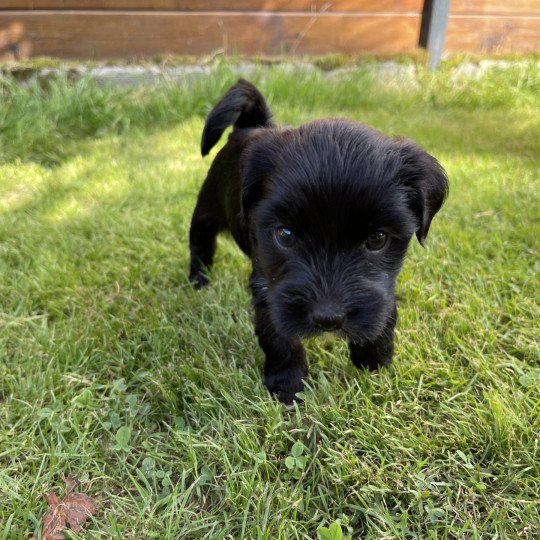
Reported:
(54, 521)
(72, 511)
(80, 507)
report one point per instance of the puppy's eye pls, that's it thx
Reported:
(284, 237)
(376, 241)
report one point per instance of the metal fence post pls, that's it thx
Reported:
(433, 29)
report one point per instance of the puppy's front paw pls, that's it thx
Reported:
(373, 355)
(198, 280)
(286, 384)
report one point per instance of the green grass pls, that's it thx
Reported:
(100, 329)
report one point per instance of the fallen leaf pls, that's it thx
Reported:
(54, 521)
(80, 506)
(72, 511)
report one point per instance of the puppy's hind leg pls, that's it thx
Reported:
(205, 226)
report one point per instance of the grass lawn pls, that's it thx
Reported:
(113, 369)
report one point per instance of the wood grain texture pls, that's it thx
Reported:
(493, 7)
(398, 6)
(508, 7)
(102, 35)
(493, 35)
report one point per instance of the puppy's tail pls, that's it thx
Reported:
(242, 106)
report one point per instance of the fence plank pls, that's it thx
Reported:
(507, 7)
(103, 35)
(492, 7)
(400, 6)
(493, 35)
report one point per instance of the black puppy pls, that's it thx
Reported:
(325, 212)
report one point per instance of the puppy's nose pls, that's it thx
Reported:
(328, 317)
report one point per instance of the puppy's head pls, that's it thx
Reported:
(331, 208)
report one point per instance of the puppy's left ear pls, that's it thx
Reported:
(428, 184)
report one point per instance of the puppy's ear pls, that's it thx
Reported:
(428, 184)
(258, 162)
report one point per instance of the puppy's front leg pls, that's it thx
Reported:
(376, 353)
(285, 366)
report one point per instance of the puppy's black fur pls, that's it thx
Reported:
(325, 212)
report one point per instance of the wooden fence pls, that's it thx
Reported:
(104, 29)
